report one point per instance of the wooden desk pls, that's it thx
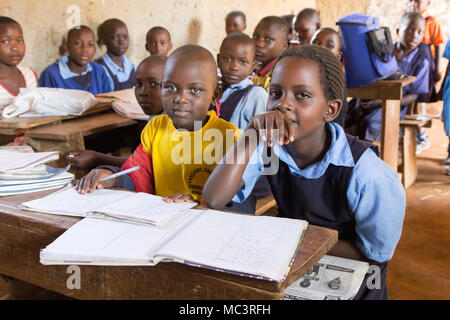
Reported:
(13, 125)
(391, 92)
(69, 135)
(24, 233)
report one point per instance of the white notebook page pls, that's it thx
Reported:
(255, 245)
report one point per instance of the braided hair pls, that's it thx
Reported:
(331, 72)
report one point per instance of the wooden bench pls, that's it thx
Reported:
(408, 167)
(69, 135)
(264, 204)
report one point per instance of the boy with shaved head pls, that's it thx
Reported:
(173, 155)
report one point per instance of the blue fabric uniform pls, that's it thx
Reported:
(415, 64)
(122, 78)
(95, 79)
(350, 190)
(446, 95)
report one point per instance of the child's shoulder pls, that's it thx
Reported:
(31, 78)
(218, 123)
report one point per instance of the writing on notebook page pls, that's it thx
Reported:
(251, 244)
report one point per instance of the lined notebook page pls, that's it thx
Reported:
(102, 242)
(261, 246)
(11, 161)
(145, 208)
(70, 202)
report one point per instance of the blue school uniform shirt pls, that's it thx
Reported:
(446, 94)
(122, 75)
(253, 103)
(414, 64)
(58, 75)
(375, 194)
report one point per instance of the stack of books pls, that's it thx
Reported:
(24, 171)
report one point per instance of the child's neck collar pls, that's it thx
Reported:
(307, 151)
(74, 67)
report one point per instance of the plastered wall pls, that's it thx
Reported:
(44, 22)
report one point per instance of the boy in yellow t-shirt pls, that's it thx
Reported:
(179, 149)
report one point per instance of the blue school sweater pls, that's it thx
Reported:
(95, 79)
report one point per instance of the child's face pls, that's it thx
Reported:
(158, 43)
(81, 47)
(329, 40)
(148, 87)
(236, 61)
(12, 44)
(270, 42)
(305, 29)
(188, 88)
(410, 36)
(234, 24)
(419, 6)
(296, 91)
(116, 39)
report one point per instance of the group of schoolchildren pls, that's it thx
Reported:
(286, 83)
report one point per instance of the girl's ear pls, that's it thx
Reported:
(334, 108)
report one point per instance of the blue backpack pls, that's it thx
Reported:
(367, 49)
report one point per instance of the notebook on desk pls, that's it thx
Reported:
(254, 246)
(135, 207)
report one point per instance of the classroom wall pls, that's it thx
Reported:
(44, 22)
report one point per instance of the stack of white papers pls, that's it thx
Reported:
(23, 171)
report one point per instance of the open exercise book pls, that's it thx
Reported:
(109, 204)
(254, 246)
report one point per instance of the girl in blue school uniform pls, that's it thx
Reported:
(317, 172)
(113, 33)
(77, 71)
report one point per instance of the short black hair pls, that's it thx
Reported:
(8, 20)
(154, 58)
(289, 18)
(408, 16)
(241, 37)
(308, 13)
(332, 76)
(81, 27)
(104, 26)
(278, 22)
(158, 28)
(237, 13)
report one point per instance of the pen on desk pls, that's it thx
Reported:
(121, 173)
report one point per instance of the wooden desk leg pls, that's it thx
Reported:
(390, 132)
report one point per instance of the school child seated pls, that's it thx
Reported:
(330, 39)
(306, 24)
(413, 58)
(432, 36)
(77, 70)
(113, 33)
(147, 90)
(158, 41)
(241, 99)
(176, 154)
(316, 171)
(12, 76)
(12, 51)
(235, 21)
(292, 38)
(444, 94)
(271, 39)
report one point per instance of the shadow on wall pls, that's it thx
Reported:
(194, 31)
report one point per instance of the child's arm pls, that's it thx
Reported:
(88, 159)
(441, 90)
(226, 179)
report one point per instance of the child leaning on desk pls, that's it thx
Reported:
(178, 149)
(324, 176)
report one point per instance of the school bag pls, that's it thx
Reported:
(367, 48)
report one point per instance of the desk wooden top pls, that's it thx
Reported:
(85, 126)
(23, 234)
(12, 125)
(383, 89)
